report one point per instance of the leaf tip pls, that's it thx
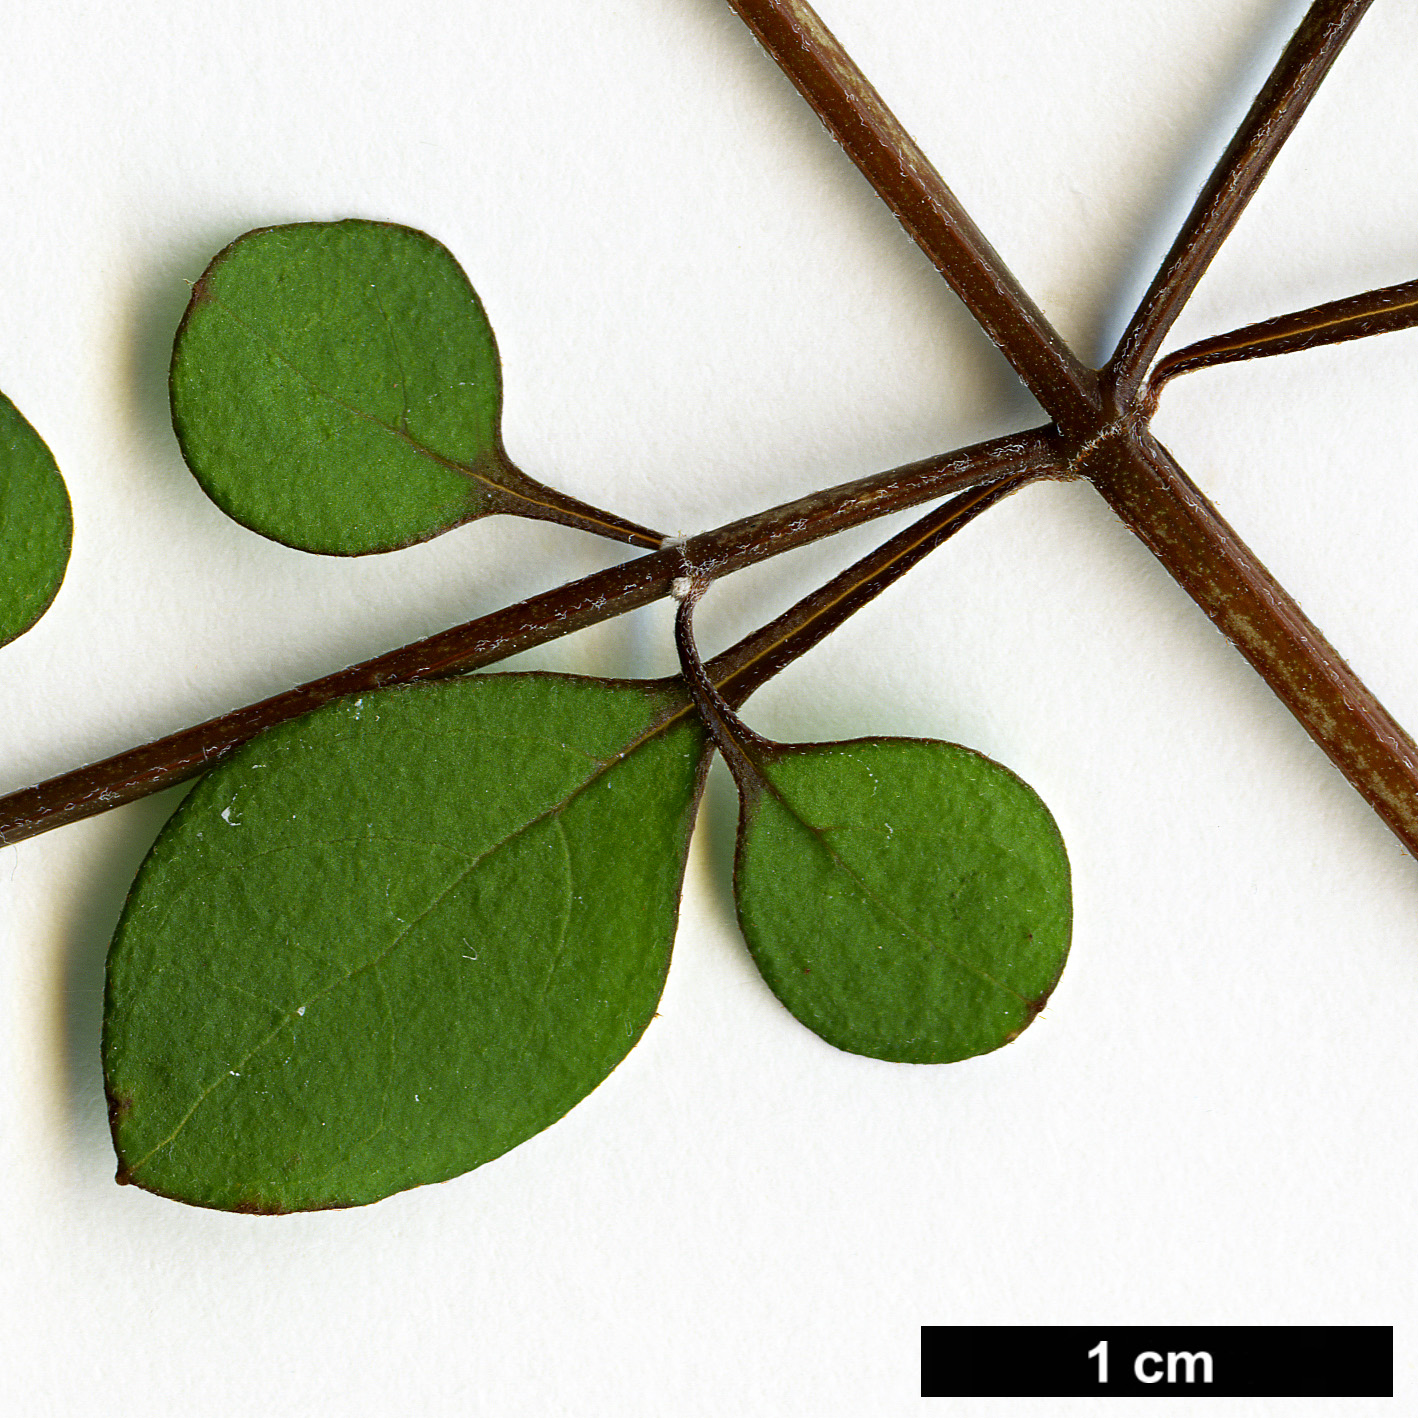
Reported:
(201, 290)
(1033, 1008)
(119, 1106)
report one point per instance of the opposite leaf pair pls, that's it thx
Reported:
(387, 942)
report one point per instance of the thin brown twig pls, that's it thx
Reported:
(1302, 66)
(1375, 312)
(737, 674)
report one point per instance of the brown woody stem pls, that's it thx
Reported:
(902, 176)
(155, 766)
(1102, 423)
(1147, 489)
(1098, 433)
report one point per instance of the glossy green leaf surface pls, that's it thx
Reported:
(336, 386)
(388, 942)
(905, 899)
(35, 524)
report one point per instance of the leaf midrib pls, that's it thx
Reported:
(841, 865)
(604, 766)
(402, 434)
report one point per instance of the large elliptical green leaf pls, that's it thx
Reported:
(388, 942)
(336, 386)
(36, 525)
(904, 898)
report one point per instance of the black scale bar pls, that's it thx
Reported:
(1165, 1361)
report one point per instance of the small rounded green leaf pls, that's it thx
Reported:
(906, 899)
(336, 386)
(388, 942)
(36, 526)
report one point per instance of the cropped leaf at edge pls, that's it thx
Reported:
(336, 387)
(906, 899)
(36, 525)
(386, 943)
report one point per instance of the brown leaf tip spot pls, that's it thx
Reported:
(260, 1206)
(119, 1106)
(1035, 1006)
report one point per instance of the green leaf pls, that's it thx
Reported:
(35, 525)
(388, 942)
(336, 387)
(906, 899)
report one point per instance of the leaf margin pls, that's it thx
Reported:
(680, 716)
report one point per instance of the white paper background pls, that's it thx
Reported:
(702, 311)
